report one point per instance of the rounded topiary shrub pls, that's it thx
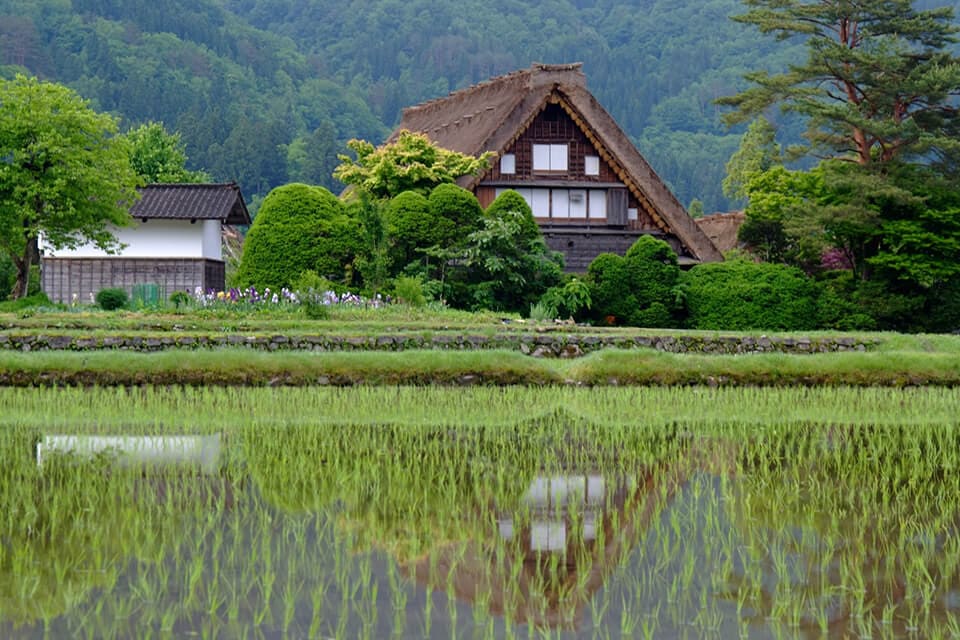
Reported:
(458, 209)
(510, 200)
(410, 226)
(744, 295)
(298, 228)
(639, 289)
(111, 299)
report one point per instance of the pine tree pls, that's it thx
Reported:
(877, 84)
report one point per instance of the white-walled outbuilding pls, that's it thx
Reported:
(173, 243)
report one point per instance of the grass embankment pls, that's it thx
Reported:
(609, 367)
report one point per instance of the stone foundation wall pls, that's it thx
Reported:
(538, 345)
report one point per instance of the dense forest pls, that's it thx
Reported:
(267, 92)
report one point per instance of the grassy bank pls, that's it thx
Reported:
(243, 367)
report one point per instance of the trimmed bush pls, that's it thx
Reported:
(639, 289)
(298, 228)
(460, 207)
(411, 225)
(510, 200)
(744, 295)
(111, 298)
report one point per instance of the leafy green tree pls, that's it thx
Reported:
(411, 227)
(64, 173)
(311, 158)
(411, 163)
(298, 228)
(459, 210)
(159, 156)
(507, 262)
(758, 152)
(877, 84)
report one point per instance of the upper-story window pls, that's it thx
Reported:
(508, 164)
(591, 165)
(549, 157)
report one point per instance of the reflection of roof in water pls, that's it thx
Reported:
(549, 560)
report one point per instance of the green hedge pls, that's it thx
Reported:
(639, 289)
(744, 295)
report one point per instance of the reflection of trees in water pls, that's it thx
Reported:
(72, 527)
(847, 529)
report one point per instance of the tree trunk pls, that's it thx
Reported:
(30, 257)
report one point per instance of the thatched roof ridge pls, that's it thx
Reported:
(176, 201)
(722, 229)
(491, 115)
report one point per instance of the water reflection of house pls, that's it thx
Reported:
(555, 551)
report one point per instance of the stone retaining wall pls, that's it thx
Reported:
(537, 345)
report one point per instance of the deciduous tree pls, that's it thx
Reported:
(159, 156)
(64, 173)
(411, 163)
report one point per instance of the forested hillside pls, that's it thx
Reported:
(267, 91)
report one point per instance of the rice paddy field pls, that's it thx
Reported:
(480, 512)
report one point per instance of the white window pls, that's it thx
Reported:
(591, 165)
(549, 157)
(598, 204)
(578, 203)
(508, 163)
(540, 202)
(561, 204)
(631, 213)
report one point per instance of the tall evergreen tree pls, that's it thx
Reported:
(877, 84)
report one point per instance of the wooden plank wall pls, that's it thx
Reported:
(63, 277)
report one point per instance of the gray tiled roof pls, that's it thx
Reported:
(192, 202)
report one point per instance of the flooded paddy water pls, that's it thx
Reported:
(479, 513)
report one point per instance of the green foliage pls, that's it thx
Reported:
(158, 156)
(566, 300)
(637, 289)
(311, 288)
(458, 209)
(512, 202)
(373, 258)
(695, 209)
(8, 275)
(743, 295)
(877, 83)
(411, 163)
(111, 299)
(409, 291)
(411, 225)
(757, 153)
(507, 262)
(298, 228)
(179, 299)
(65, 173)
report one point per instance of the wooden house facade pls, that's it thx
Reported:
(589, 188)
(173, 244)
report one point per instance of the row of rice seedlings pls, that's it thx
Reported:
(212, 409)
(803, 520)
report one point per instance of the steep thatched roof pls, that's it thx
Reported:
(222, 202)
(491, 115)
(722, 229)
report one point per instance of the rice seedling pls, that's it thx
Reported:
(553, 512)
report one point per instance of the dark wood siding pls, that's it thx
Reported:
(553, 125)
(63, 277)
(580, 246)
(617, 207)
